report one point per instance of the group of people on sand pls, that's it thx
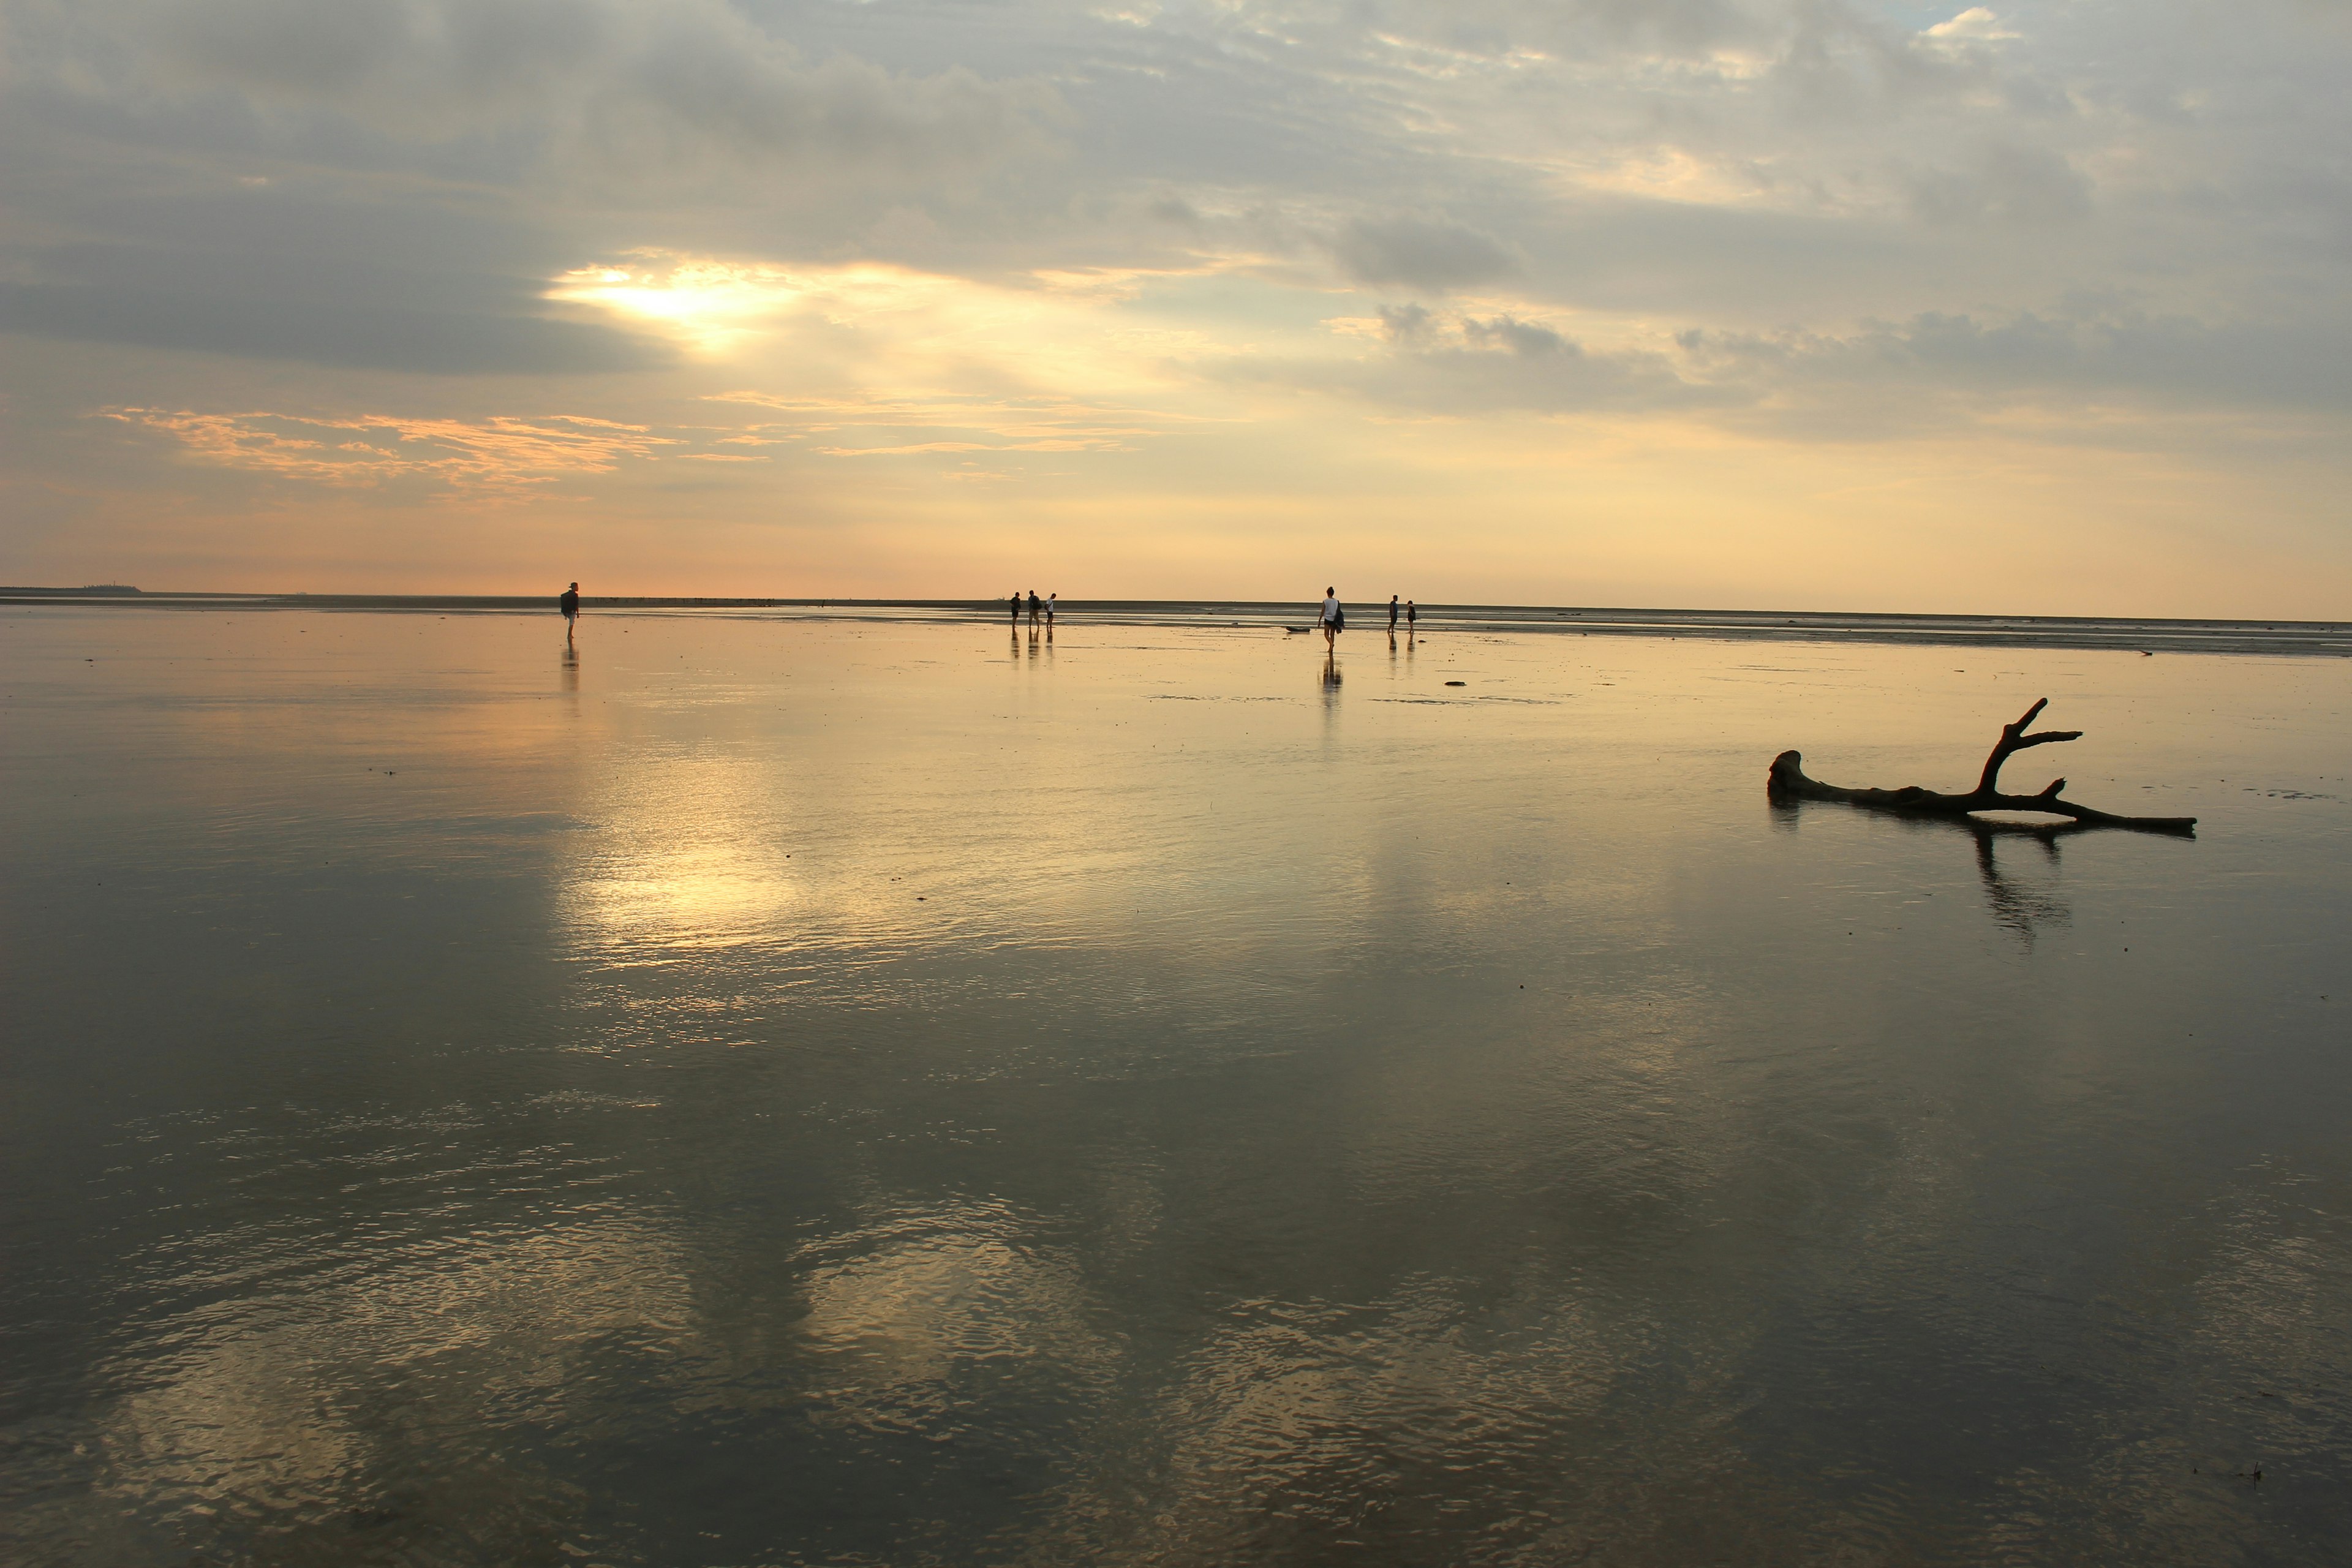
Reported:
(1335, 617)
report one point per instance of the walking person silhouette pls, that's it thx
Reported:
(568, 603)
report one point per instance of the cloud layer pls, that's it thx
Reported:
(1208, 266)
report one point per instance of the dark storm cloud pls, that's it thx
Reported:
(2003, 183)
(312, 276)
(1430, 256)
(341, 333)
(1453, 362)
(1526, 339)
(1409, 324)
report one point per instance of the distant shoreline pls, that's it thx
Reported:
(2311, 639)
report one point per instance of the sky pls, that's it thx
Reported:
(1825, 304)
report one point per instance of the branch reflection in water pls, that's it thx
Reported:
(2018, 905)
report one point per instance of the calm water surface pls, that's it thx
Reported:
(771, 1091)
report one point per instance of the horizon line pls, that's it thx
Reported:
(2142, 634)
(116, 592)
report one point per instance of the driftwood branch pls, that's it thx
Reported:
(1788, 782)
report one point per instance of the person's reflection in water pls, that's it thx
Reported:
(570, 666)
(1331, 673)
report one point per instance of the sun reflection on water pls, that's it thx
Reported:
(686, 855)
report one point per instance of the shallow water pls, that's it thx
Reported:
(776, 1091)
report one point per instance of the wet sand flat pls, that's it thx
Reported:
(877, 1086)
(2273, 637)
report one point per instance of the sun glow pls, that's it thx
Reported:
(869, 360)
(710, 307)
(717, 307)
(687, 861)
